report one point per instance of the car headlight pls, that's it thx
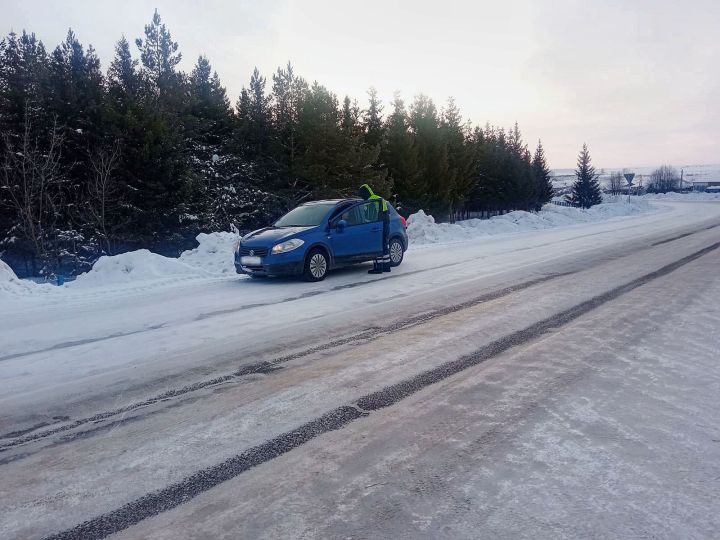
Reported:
(287, 246)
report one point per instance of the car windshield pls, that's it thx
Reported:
(310, 215)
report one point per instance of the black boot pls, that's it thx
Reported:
(386, 267)
(376, 269)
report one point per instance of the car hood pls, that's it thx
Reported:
(274, 234)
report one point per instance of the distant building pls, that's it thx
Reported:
(706, 185)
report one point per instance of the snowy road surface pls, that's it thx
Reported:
(560, 383)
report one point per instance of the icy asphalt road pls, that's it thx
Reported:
(562, 383)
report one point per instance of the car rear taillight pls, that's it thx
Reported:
(404, 221)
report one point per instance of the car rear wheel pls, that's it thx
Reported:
(397, 252)
(316, 265)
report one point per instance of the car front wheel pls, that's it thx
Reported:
(316, 265)
(396, 252)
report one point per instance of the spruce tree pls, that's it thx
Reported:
(542, 177)
(208, 118)
(458, 181)
(522, 194)
(586, 190)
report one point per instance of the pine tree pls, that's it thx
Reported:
(122, 76)
(289, 92)
(542, 177)
(400, 156)
(331, 163)
(159, 56)
(76, 96)
(349, 117)
(586, 190)
(24, 69)
(209, 109)
(432, 155)
(372, 119)
(259, 115)
(161, 178)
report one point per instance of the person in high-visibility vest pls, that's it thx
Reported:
(380, 264)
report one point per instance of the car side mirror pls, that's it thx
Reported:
(340, 225)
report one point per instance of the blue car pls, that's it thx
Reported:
(319, 236)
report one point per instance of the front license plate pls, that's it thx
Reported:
(250, 261)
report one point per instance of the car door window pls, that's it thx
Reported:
(361, 214)
(370, 211)
(353, 216)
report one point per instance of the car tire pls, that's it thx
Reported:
(397, 252)
(317, 265)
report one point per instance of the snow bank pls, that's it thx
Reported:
(422, 228)
(215, 254)
(132, 267)
(10, 284)
(212, 258)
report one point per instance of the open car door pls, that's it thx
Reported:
(361, 237)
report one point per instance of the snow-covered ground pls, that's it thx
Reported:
(149, 380)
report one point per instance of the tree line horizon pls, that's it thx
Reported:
(146, 156)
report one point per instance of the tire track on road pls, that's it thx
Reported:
(269, 366)
(178, 493)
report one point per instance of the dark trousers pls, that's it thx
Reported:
(384, 261)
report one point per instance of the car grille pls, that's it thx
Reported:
(257, 252)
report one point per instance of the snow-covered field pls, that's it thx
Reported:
(691, 173)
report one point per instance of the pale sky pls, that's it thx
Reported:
(638, 80)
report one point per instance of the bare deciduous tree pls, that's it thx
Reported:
(31, 176)
(664, 179)
(103, 191)
(616, 183)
